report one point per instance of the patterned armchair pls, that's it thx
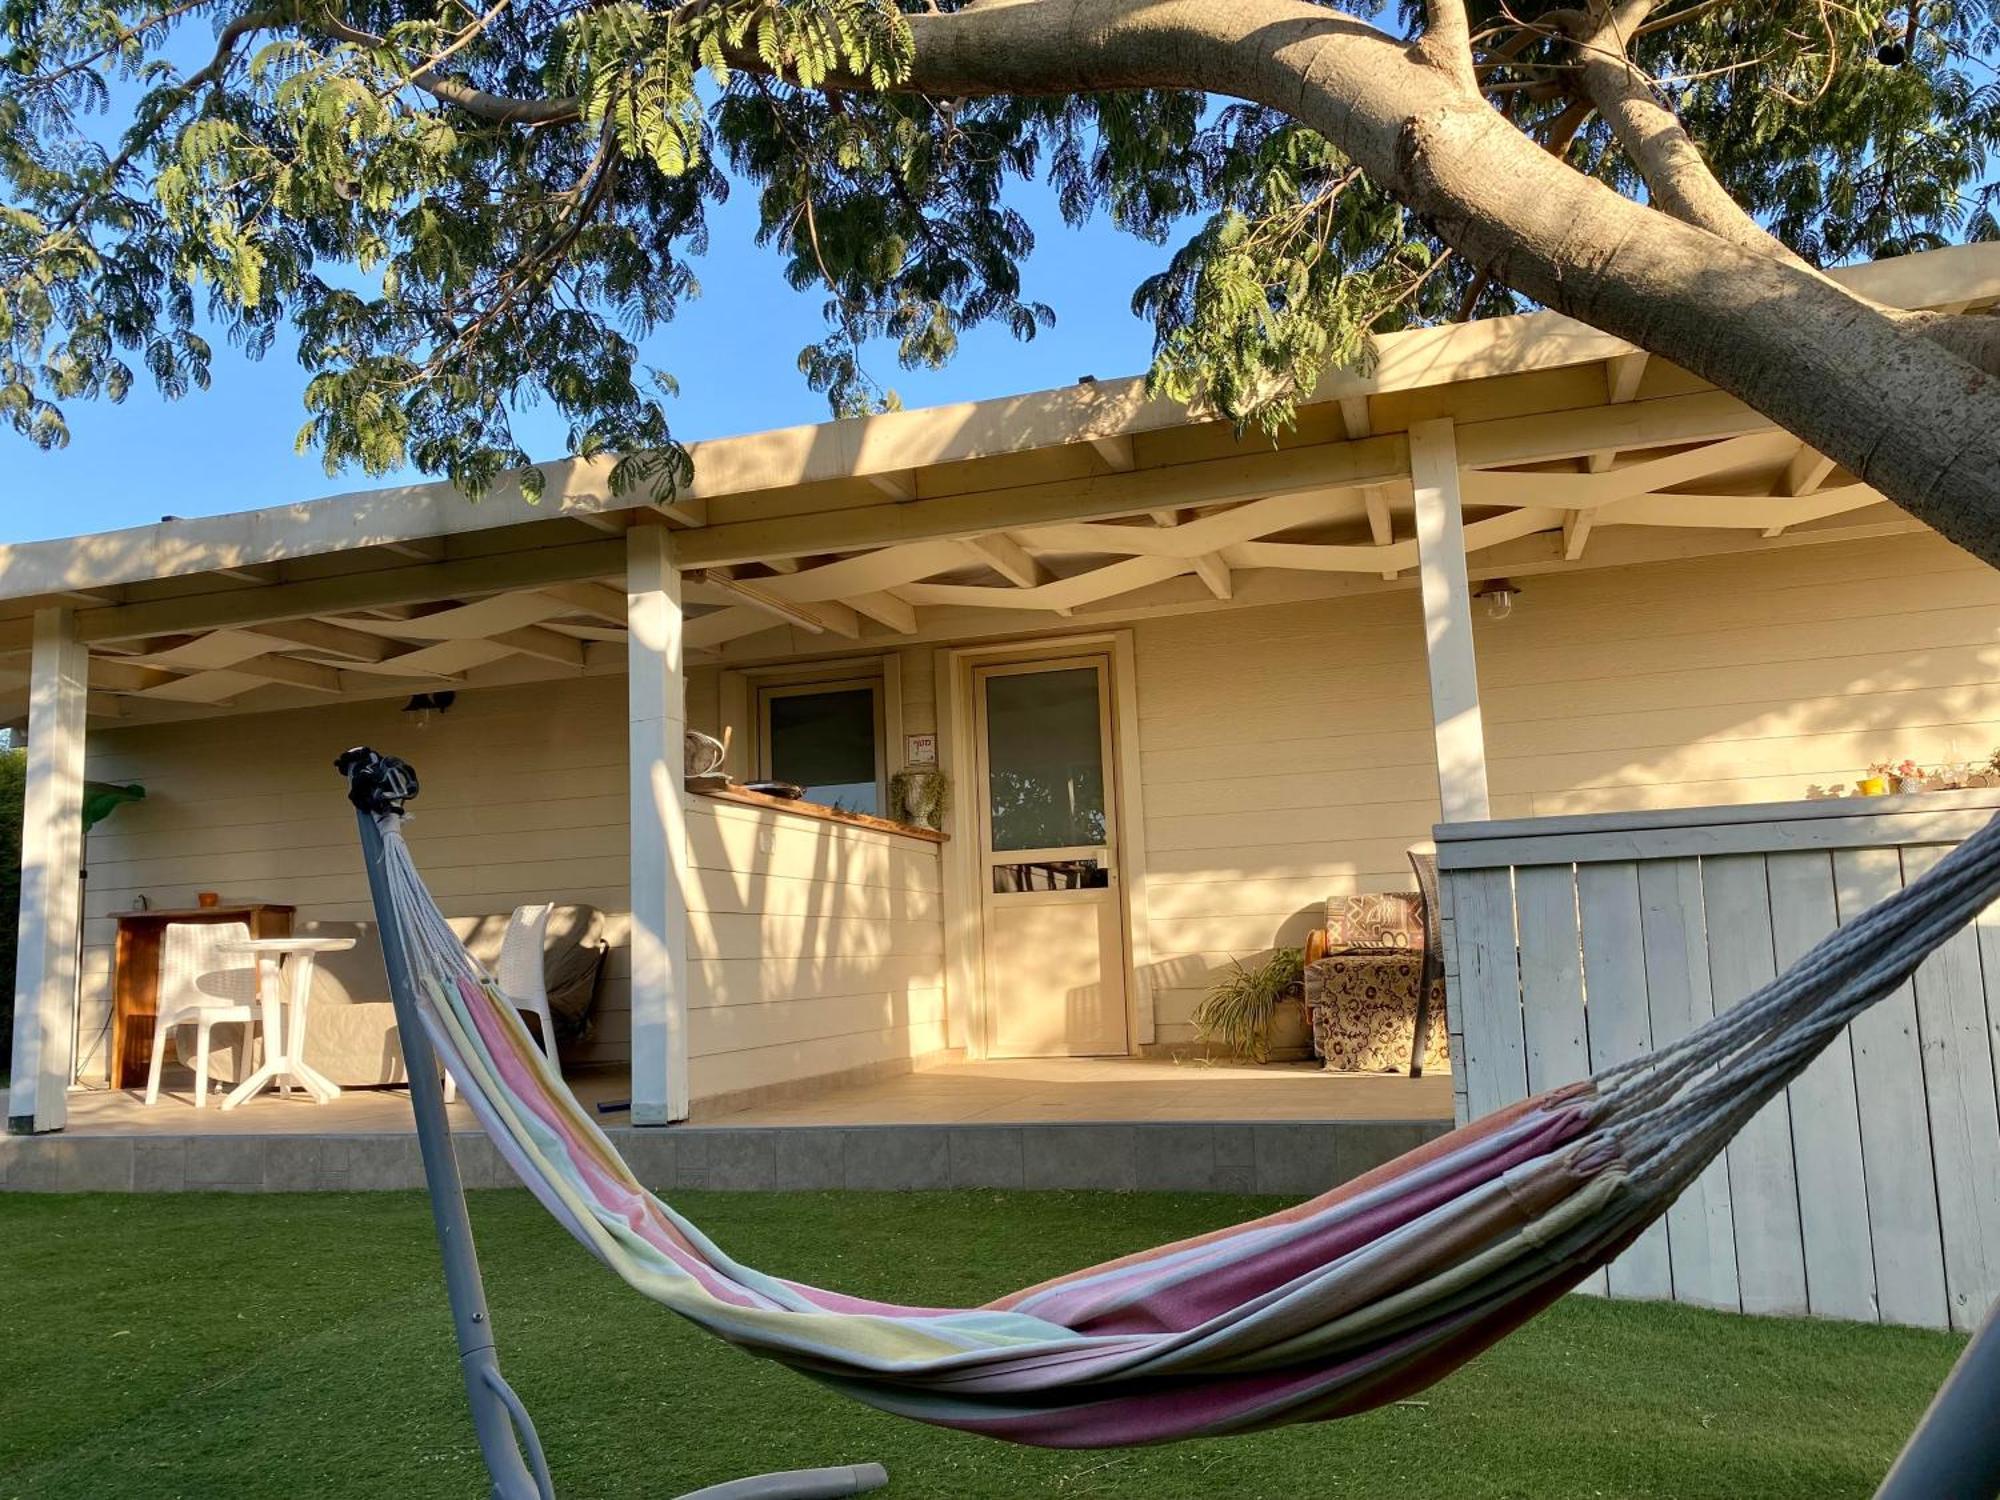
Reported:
(1374, 979)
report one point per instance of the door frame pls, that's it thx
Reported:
(964, 928)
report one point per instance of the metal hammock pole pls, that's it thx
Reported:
(1955, 1452)
(495, 1407)
(498, 1415)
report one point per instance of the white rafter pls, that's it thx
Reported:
(1379, 527)
(1009, 559)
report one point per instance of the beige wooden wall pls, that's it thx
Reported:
(1286, 751)
(1285, 755)
(814, 949)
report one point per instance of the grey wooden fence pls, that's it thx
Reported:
(1871, 1190)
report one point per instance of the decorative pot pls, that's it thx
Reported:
(1290, 1037)
(1872, 786)
(921, 796)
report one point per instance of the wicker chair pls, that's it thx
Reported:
(1373, 980)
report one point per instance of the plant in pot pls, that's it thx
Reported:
(1907, 776)
(921, 796)
(1247, 1010)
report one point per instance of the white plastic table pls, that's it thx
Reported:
(286, 961)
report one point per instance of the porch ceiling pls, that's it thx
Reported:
(1576, 451)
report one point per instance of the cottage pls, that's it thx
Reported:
(1185, 685)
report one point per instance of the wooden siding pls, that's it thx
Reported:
(1287, 750)
(1870, 1188)
(814, 949)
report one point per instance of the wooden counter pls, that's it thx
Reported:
(744, 797)
(135, 976)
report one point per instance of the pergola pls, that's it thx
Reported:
(1505, 447)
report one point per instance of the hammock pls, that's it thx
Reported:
(1355, 1298)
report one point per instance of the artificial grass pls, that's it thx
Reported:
(299, 1345)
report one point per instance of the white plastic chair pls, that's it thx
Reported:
(207, 988)
(520, 973)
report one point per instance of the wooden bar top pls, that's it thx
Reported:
(744, 797)
(183, 913)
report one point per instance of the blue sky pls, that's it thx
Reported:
(734, 351)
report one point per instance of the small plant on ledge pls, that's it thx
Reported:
(1240, 1008)
(920, 796)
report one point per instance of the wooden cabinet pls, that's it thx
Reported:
(135, 974)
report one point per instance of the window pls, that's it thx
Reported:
(826, 737)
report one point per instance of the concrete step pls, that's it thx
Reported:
(1220, 1156)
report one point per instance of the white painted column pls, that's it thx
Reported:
(51, 853)
(656, 718)
(1461, 734)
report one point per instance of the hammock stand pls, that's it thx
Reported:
(1670, 1128)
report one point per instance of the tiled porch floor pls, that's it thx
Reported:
(1053, 1090)
(1126, 1088)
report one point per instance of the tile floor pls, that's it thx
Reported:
(1048, 1090)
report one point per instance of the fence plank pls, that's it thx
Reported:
(1826, 1118)
(1965, 1119)
(1552, 987)
(1551, 976)
(1489, 977)
(1895, 1127)
(1764, 1195)
(1454, 1008)
(1614, 978)
(1701, 1230)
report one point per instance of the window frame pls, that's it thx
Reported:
(877, 689)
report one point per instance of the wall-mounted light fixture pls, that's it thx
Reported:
(424, 705)
(1498, 594)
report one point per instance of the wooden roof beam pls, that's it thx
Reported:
(1009, 559)
(1377, 505)
(545, 645)
(348, 592)
(1214, 574)
(1116, 451)
(885, 608)
(1622, 373)
(328, 639)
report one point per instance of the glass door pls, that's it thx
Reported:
(1054, 936)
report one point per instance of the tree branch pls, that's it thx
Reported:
(1652, 136)
(1447, 42)
(498, 109)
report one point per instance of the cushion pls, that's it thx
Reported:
(1380, 919)
(1364, 1008)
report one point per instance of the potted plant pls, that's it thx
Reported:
(921, 796)
(1259, 1011)
(1907, 776)
(1876, 782)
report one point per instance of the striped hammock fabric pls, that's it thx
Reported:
(1353, 1299)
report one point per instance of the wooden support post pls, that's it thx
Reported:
(51, 858)
(656, 716)
(1461, 735)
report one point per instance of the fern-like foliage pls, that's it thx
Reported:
(452, 211)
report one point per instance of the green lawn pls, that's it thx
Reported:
(291, 1346)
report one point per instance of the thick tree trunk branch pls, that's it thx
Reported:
(1657, 144)
(1447, 42)
(1974, 338)
(1903, 413)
